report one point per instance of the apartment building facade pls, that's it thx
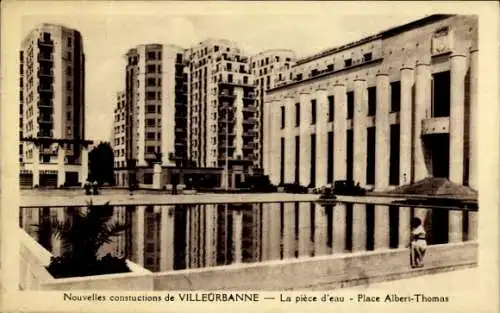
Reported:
(221, 108)
(150, 124)
(387, 110)
(54, 151)
(267, 67)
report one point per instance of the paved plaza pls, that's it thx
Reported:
(57, 197)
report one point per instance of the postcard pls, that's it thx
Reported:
(251, 156)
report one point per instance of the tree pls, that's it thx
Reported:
(101, 164)
(82, 234)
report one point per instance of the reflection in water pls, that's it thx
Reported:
(174, 237)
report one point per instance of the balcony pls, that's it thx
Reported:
(222, 132)
(45, 43)
(44, 105)
(222, 144)
(436, 125)
(224, 120)
(45, 120)
(249, 133)
(45, 89)
(225, 94)
(49, 73)
(282, 260)
(45, 57)
(248, 146)
(250, 108)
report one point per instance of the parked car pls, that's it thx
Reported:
(258, 184)
(294, 188)
(347, 187)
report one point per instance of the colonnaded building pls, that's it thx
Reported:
(387, 110)
(53, 151)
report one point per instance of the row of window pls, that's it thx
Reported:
(265, 61)
(119, 141)
(367, 57)
(372, 105)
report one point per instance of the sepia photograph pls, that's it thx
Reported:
(180, 156)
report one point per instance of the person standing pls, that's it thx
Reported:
(418, 243)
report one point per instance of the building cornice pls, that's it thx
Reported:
(324, 75)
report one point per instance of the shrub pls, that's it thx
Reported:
(67, 266)
(82, 234)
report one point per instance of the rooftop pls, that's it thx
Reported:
(384, 34)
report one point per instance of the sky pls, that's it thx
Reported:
(109, 32)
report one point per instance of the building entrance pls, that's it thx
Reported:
(439, 153)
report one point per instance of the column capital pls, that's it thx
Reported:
(338, 84)
(289, 96)
(304, 92)
(457, 54)
(406, 67)
(422, 63)
(473, 49)
(321, 88)
(359, 79)
(382, 74)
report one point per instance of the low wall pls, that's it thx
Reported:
(34, 276)
(325, 272)
(141, 280)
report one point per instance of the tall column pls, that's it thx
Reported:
(472, 231)
(157, 176)
(305, 225)
(274, 143)
(167, 238)
(455, 228)
(422, 111)
(265, 235)
(405, 126)
(340, 133)
(381, 236)
(458, 64)
(320, 229)
(382, 135)
(289, 140)
(61, 173)
(321, 137)
(473, 121)
(266, 149)
(339, 227)
(237, 235)
(404, 226)
(358, 227)
(84, 165)
(36, 165)
(139, 236)
(194, 234)
(359, 131)
(211, 234)
(187, 258)
(289, 231)
(274, 231)
(305, 139)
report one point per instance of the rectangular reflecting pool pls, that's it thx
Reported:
(167, 237)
